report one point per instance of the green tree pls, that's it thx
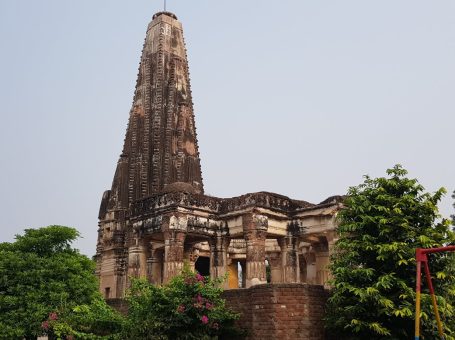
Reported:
(189, 307)
(383, 221)
(41, 276)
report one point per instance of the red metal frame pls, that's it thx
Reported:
(421, 257)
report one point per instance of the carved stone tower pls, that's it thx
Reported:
(160, 151)
(160, 146)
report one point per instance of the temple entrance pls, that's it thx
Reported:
(202, 265)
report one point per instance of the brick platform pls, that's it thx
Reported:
(280, 311)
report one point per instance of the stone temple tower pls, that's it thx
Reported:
(160, 145)
(160, 151)
(156, 216)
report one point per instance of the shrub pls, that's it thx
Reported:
(189, 307)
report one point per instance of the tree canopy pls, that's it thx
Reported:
(40, 274)
(383, 221)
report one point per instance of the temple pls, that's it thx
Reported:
(156, 217)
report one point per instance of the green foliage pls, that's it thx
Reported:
(46, 287)
(46, 241)
(40, 274)
(189, 307)
(384, 220)
(96, 321)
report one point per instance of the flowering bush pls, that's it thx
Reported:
(41, 274)
(96, 321)
(189, 307)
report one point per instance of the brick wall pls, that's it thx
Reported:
(280, 311)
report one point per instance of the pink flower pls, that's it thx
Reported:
(205, 319)
(53, 316)
(45, 325)
(215, 325)
(199, 298)
(208, 305)
(181, 308)
(199, 277)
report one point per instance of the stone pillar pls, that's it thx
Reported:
(289, 259)
(149, 269)
(191, 255)
(120, 273)
(218, 256)
(311, 275)
(276, 269)
(173, 254)
(322, 262)
(154, 265)
(137, 266)
(149, 263)
(255, 233)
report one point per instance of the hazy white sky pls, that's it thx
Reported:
(297, 97)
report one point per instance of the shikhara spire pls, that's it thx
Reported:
(160, 151)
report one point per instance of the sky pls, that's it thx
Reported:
(296, 97)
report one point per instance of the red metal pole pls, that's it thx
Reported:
(419, 258)
(433, 298)
(436, 250)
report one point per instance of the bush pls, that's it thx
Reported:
(189, 307)
(95, 321)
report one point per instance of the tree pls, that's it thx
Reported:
(189, 307)
(382, 223)
(42, 277)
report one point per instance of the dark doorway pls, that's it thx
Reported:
(202, 265)
(302, 265)
(107, 292)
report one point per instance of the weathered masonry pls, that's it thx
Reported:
(156, 216)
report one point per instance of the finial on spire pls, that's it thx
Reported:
(165, 5)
